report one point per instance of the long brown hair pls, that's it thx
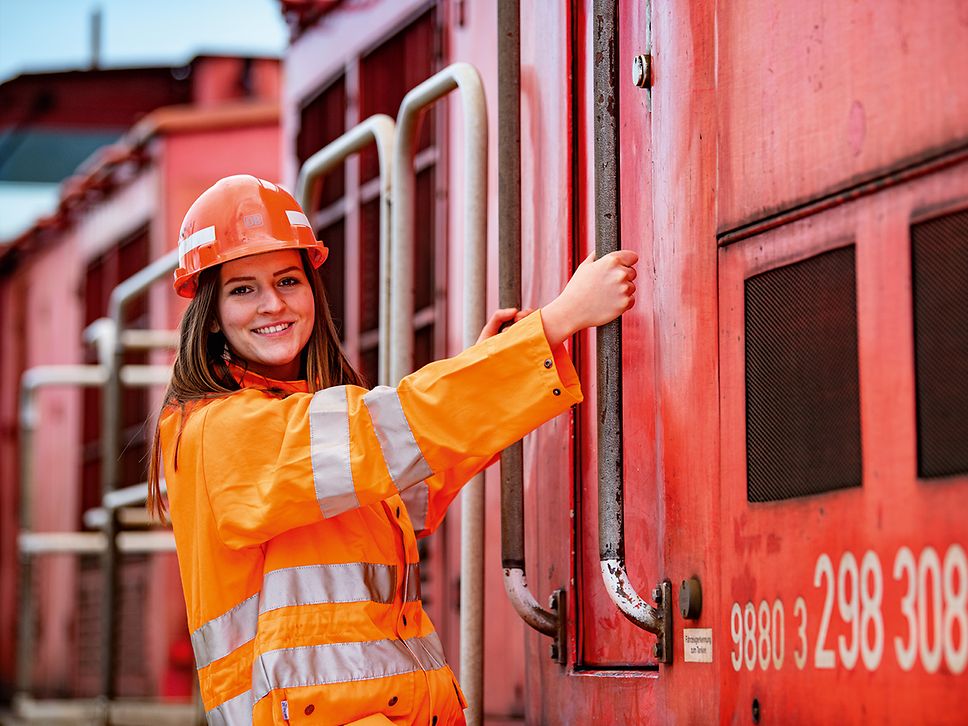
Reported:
(201, 368)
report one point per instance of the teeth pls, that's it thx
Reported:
(273, 328)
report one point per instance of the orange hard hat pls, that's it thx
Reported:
(236, 217)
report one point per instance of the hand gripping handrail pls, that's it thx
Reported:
(611, 514)
(378, 129)
(463, 77)
(509, 274)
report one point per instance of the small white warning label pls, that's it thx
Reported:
(697, 645)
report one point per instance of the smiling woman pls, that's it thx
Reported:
(266, 311)
(297, 495)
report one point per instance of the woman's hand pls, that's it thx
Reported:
(598, 292)
(501, 317)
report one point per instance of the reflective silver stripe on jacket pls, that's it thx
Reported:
(417, 499)
(229, 631)
(329, 439)
(343, 662)
(295, 586)
(413, 583)
(404, 459)
(234, 712)
(313, 584)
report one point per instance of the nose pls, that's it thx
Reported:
(270, 301)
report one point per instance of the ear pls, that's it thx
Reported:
(214, 327)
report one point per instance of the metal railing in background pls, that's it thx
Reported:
(611, 500)
(31, 545)
(113, 349)
(465, 78)
(379, 130)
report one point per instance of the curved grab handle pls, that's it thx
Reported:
(611, 509)
(378, 129)
(509, 274)
(465, 78)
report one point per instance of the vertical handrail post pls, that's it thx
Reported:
(32, 380)
(509, 276)
(380, 130)
(611, 502)
(111, 419)
(463, 77)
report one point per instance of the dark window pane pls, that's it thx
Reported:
(370, 266)
(940, 272)
(802, 393)
(424, 264)
(322, 120)
(332, 273)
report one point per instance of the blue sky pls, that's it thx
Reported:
(52, 35)
(55, 34)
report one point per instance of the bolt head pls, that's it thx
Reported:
(641, 70)
(657, 595)
(657, 650)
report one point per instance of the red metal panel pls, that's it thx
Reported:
(831, 630)
(816, 96)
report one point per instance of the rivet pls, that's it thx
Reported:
(548, 363)
(309, 709)
(557, 391)
(392, 701)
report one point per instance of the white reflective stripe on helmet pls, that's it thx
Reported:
(297, 218)
(204, 236)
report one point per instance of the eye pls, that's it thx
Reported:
(289, 281)
(240, 290)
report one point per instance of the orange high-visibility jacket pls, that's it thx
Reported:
(297, 553)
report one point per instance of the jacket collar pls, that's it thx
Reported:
(249, 379)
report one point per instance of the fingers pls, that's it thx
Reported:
(498, 318)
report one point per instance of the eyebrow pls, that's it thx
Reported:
(274, 274)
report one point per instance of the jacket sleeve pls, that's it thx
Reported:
(271, 465)
(427, 501)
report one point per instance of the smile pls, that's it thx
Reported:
(270, 329)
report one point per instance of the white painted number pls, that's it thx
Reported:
(907, 653)
(779, 633)
(849, 610)
(871, 596)
(934, 606)
(823, 657)
(929, 644)
(955, 614)
(800, 654)
(736, 630)
(749, 644)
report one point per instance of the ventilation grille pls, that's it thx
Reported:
(940, 271)
(802, 399)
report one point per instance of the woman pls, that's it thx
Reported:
(296, 495)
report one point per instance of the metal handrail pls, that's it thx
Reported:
(378, 129)
(121, 295)
(30, 382)
(509, 274)
(611, 510)
(34, 543)
(463, 77)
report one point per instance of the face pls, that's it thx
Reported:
(266, 311)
